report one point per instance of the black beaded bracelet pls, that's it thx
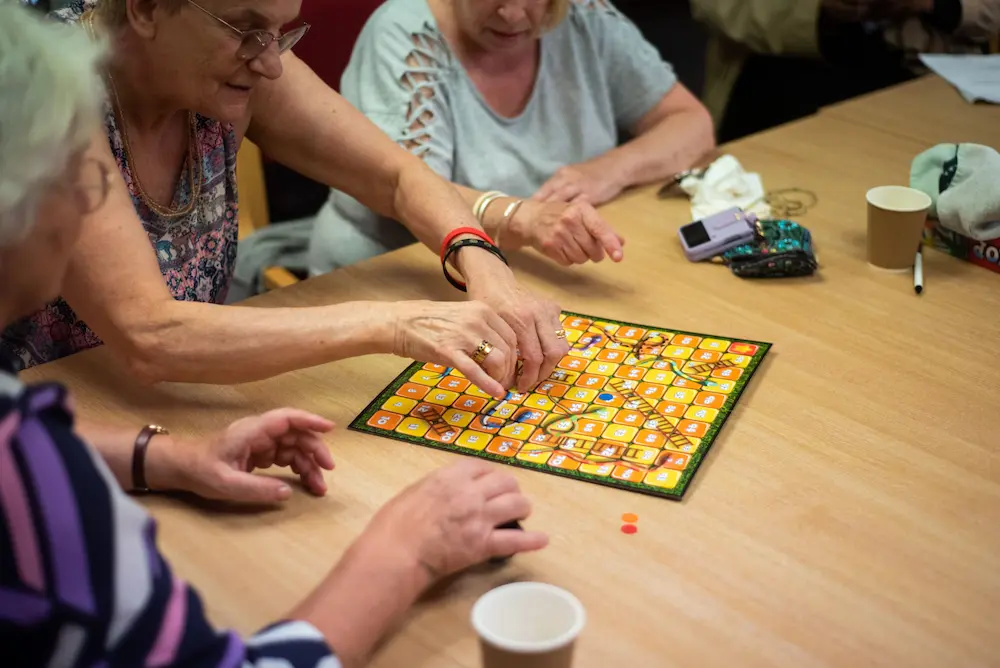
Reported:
(478, 243)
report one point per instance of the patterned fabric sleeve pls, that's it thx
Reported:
(82, 582)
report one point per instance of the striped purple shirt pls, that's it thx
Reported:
(82, 582)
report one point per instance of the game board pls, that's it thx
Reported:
(630, 406)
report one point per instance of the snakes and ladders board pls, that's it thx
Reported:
(630, 406)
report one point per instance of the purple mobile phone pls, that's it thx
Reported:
(716, 234)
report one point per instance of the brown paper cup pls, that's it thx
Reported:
(528, 625)
(896, 217)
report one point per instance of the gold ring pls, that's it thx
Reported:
(484, 349)
(560, 333)
(519, 368)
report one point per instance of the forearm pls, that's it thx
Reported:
(364, 597)
(674, 144)
(207, 343)
(116, 446)
(431, 208)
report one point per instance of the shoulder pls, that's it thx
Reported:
(599, 22)
(394, 26)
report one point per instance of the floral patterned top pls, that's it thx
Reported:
(196, 252)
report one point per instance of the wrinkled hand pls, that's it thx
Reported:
(591, 181)
(448, 521)
(534, 321)
(222, 469)
(567, 233)
(448, 333)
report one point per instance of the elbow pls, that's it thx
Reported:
(704, 128)
(144, 357)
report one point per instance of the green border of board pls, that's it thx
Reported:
(359, 423)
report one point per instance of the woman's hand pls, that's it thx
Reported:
(592, 181)
(534, 320)
(448, 521)
(448, 333)
(567, 233)
(223, 468)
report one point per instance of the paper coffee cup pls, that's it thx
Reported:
(527, 625)
(896, 217)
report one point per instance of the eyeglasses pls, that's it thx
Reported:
(255, 42)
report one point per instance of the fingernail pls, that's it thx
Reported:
(284, 492)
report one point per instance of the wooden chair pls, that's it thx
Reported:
(253, 207)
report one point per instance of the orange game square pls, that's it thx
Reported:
(674, 460)
(442, 435)
(626, 473)
(615, 356)
(631, 418)
(684, 382)
(580, 324)
(437, 368)
(561, 460)
(413, 390)
(693, 428)
(630, 333)
(650, 438)
(630, 372)
(686, 340)
(743, 349)
(385, 420)
(729, 373)
(591, 381)
(671, 408)
(505, 447)
(706, 356)
(589, 427)
(454, 383)
(650, 391)
(710, 399)
(551, 389)
(486, 424)
(470, 403)
(573, 363)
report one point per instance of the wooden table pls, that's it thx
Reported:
(848, 515)
(928, 109)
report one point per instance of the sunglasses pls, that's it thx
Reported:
(255, 42)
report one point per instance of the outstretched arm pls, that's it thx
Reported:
(300, 121)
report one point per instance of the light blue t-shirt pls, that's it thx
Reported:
(597, 78)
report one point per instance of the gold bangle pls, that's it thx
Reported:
(508, 214)
(479, 208)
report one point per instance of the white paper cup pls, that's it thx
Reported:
(529, 625)
(896, 217)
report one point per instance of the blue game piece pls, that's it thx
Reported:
(604, 396)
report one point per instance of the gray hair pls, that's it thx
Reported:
(51, 98)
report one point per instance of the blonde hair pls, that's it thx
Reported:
(50, 106)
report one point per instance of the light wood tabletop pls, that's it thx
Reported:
(928, 109)
(847, 515)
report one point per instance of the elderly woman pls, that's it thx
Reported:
(82, 582)
(186, 82)
(526, 98)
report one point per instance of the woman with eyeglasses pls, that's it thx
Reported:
(82, 580)
(186, 82)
